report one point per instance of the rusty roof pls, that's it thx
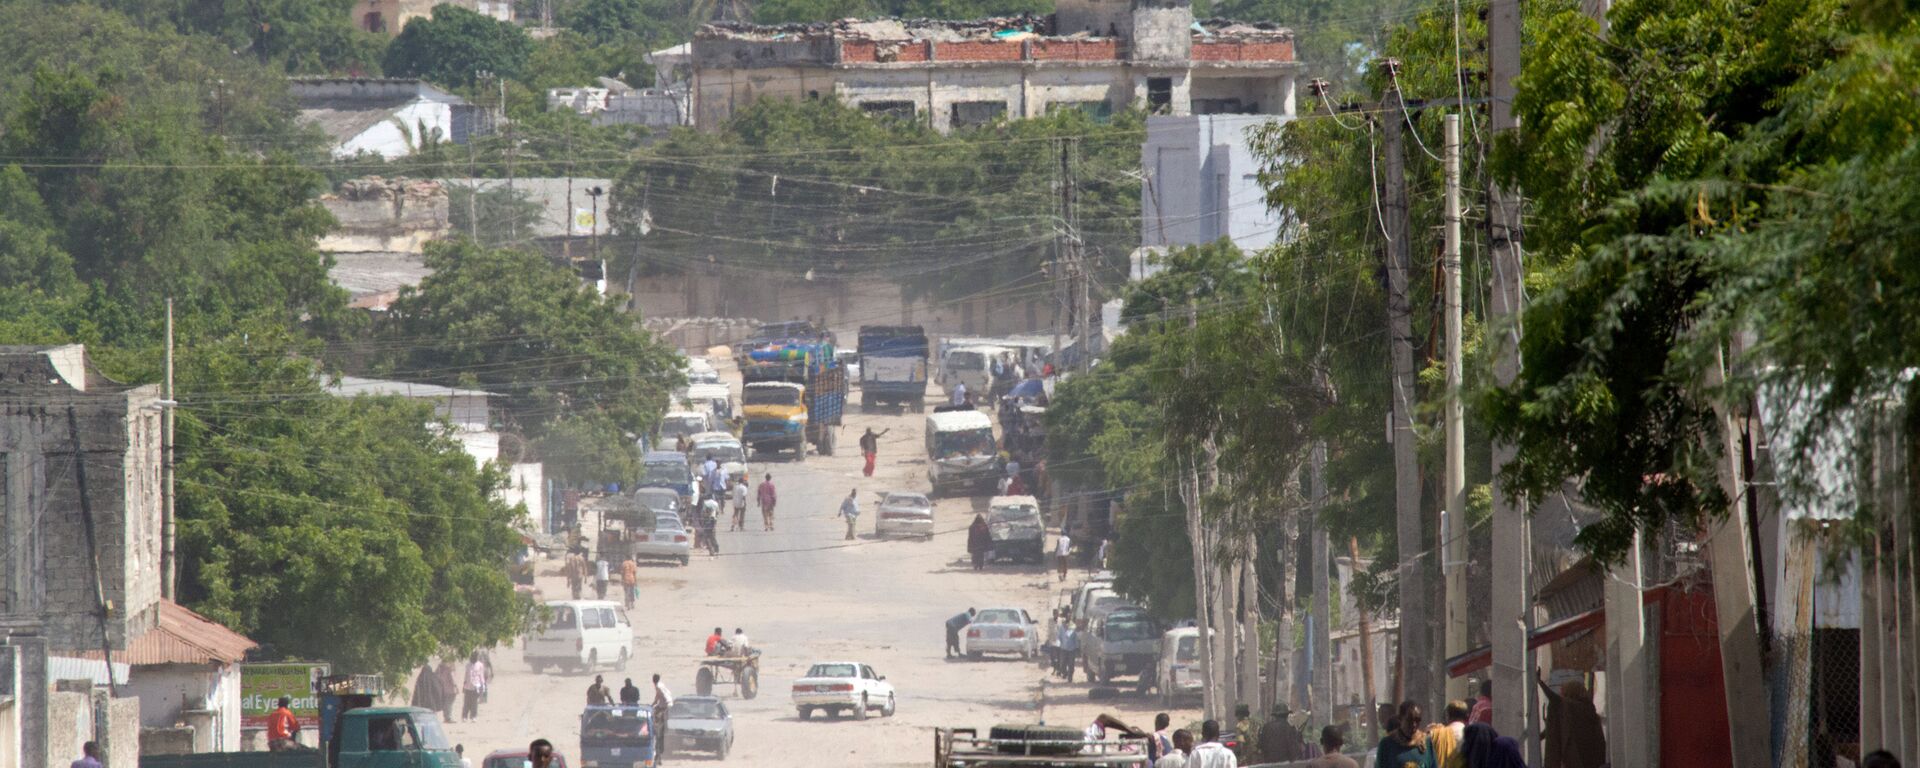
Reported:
(184, 637)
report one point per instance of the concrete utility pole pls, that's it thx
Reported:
(1057, 271)
(169, 569)
(1366, 650)
(1416, 629)
(1628, 697)
(1453, 517)
(1514, 709)
(1322, 635)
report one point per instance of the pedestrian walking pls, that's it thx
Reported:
(1210, 753)
(708, 523)
(1106, 547)
(1574, 734)
(870, 447)
(1279, 741)
(461, 751)
(474, 688)
(979, 541)
(602, 573)
(1162, 742)
(449, 689)
(850, 509)
(283, 729)
(662, 701)
(1069, 651)
(427, 693)
(954, 625)
(576, 574)
(739, 504)
(630, 579)
(630, 694)
(1062, 551)
(767, 499)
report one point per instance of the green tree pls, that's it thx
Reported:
(456, 44)
(570, 366)
(301, 36)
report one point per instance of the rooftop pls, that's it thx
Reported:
(998, 28)
(350, 386)
(185, 637)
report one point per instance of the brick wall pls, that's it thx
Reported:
(979, 50)
(883, 52)
(1270, 50)
(1075, 50)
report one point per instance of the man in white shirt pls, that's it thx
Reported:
(960, 393)
(1176, 757)
(662, 701)
(739, 504)
(739, 641)
(1210, 753)
(1062, 548)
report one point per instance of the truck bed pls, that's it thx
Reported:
(306, 758)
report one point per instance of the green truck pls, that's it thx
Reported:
(353, 734)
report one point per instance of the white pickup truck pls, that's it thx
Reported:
(843, 687)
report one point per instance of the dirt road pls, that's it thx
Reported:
(805, 595)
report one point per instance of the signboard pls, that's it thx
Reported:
(262, 685)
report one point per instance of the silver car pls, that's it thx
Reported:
(669, 540)
(700, 723)
(1002, 630)
(904, 513)
(722, 447)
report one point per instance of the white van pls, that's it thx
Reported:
(972, 366)
(581, 635)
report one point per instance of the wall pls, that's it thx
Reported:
(410, 127)
(1162, 30)
(385, 215)
(168, 691)
(1203, 183)
(843, 305)
(46, 563)
(527, 484)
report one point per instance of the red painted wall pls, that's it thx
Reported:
(1693, 698)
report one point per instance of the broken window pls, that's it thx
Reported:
(902, 110)
(1224, 107)
(967, 114)
(1159, 94)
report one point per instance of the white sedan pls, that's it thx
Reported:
(843, 687)
(904, 513)
(1002, 630)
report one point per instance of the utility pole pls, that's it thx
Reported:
(1730, 558)
(1514, 709)
(1366, 650)
(1453, 517)
(1057, 271)
(1083, 277)
(1322, 634)
(1416, 629)
(169, 571)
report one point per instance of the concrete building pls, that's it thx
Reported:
(46, 566)
(390, 16)
(186, 674)
(1202, 183)
(1093, 55)
(389, 117)
(612, 102)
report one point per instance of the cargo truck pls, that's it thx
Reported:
(794, 396)
(893, 366)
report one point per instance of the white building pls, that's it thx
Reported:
(1202, 183)
(389, 117)
(1092, 55)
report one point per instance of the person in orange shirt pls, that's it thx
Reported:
(714, 641)
(282, 727)
(630, 579)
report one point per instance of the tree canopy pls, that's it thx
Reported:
(455, 45)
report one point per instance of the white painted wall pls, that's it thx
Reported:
(401, 134)
(167, 689)
(1203, 182)
(527, 484)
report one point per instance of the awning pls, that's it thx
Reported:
(1482, 657)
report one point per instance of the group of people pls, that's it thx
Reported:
(1179, 749)
(603, 573)
(599, 695)
(721, 645)
(438, 688)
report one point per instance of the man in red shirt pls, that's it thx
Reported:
(714, 640)
(282, 727)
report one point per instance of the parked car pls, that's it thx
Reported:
(1178, 674)
(1016, 528)
(843, 688)
(699, 371)
(677, 423)
(669, 540)
(1002, 630)
(666, 469)
(1125, 641)
(660, 500)
(904, 513)
(700, 723)
(579, 635)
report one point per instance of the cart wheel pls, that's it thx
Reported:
(703, 682)
(749, 683)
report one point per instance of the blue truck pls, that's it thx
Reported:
(795, 394)
(893, 366)
(617, 736)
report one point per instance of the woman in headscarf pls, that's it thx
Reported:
(1476, 745)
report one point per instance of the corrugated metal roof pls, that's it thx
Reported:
(69, 668)
(184, 637)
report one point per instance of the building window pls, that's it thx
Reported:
(1159, 94)
(1100, 111)
(967, 114)
(373, 23)
(902, 110)
(1224, 107)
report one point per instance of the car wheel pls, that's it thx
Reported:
(860, 712)
(890, 708)
(806, 713)
(684, 559)
(725, 746)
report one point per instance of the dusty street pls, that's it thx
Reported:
(805, 595)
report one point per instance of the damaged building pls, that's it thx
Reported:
(1093, 55)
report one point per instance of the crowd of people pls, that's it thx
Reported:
(439, 688)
